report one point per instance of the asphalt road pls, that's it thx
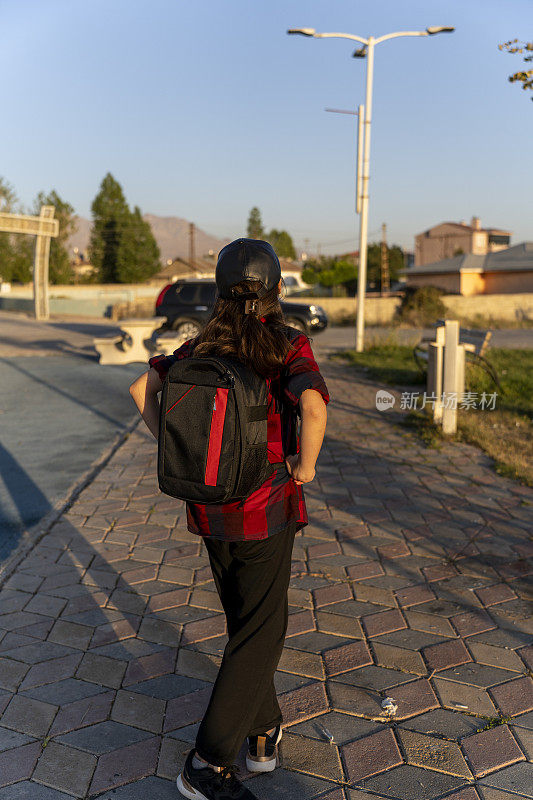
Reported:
(60, 410)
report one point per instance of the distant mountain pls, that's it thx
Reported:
(171, 234)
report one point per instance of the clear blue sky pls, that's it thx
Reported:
(203, 109)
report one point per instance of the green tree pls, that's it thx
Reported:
(60, 270)
(282, 243)
(525, 77)
(396, 262)
(138, 256)
(331, 272)
(122, 247)
(16, 251)
(254, 228)
(110, 219)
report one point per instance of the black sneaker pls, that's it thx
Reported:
(206, 784)
(263, 751)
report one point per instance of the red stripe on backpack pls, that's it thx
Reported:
(215, 437)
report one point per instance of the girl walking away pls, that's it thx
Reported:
(249, 541)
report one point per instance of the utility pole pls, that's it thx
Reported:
(192, 256)
(385, 277)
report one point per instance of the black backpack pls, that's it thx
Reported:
(212, 445)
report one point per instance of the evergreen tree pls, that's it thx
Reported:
(138, 256)
(255, 225)
(111, 217)
(60, 270)
(282, 243)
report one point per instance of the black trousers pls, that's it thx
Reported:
(252, 579)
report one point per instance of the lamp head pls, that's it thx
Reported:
(360, 53)
(302, 31)
(439, 29)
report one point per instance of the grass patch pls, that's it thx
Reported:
(386, 361)
(504, 433)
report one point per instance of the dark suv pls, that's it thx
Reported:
(187, 306)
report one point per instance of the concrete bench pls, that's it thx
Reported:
(133, 343)
(475, 344)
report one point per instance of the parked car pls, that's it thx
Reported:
(187, 306)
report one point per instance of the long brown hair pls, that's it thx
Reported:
(262, 346)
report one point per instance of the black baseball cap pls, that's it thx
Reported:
(244, 259)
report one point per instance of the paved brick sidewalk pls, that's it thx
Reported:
(409, 582)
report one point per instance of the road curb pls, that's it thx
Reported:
(33, 535)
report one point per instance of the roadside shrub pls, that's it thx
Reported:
(421, 306)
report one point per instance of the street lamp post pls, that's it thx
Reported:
(362, 200)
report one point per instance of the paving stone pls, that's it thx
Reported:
(312, 756)
(303, 703)
(514, 697)
(84, 712)
(39, 651)
(315, 642)
(490, 750)
(354, 700)
(524, 721)
(431, 623)
(496, 656)
(283, 783)
(497, 593)
(47, 605)
(17, 764)
(446, 654)
(461, 697)
(299, 662)
(383, 622)
(71, 634)
(29, 716)
(172, 757)
(526, 654)
(371, 755)
(139, 710)
(414, 698)
(150, 666)
(432, 753)
(339, 625)
(65, 769)
(398, 658)
(10, 739)
(347, 657)
(176, 597)
(200, 665)
(64, 691)
(477, 675)
(517, 779)
(486, 793)
(445, 723)
(333, 593)
(343, 727)
(159, 631)
(29, 790)
(414, 595)
(51, 671)
(468, 793)
(413, 783)
(352, 608)
(511, 639)
(409, 639)
(374, 594)
(101, 670)
(168, 686)
(373, 677)
(11, 673)
(145, 788)
(470, 622)
(103, 737)
(525, 740)
(186, 709)
(365, 570)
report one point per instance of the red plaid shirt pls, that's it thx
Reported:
(279, 502)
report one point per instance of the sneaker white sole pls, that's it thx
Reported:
(263, 766)
(187, 790)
